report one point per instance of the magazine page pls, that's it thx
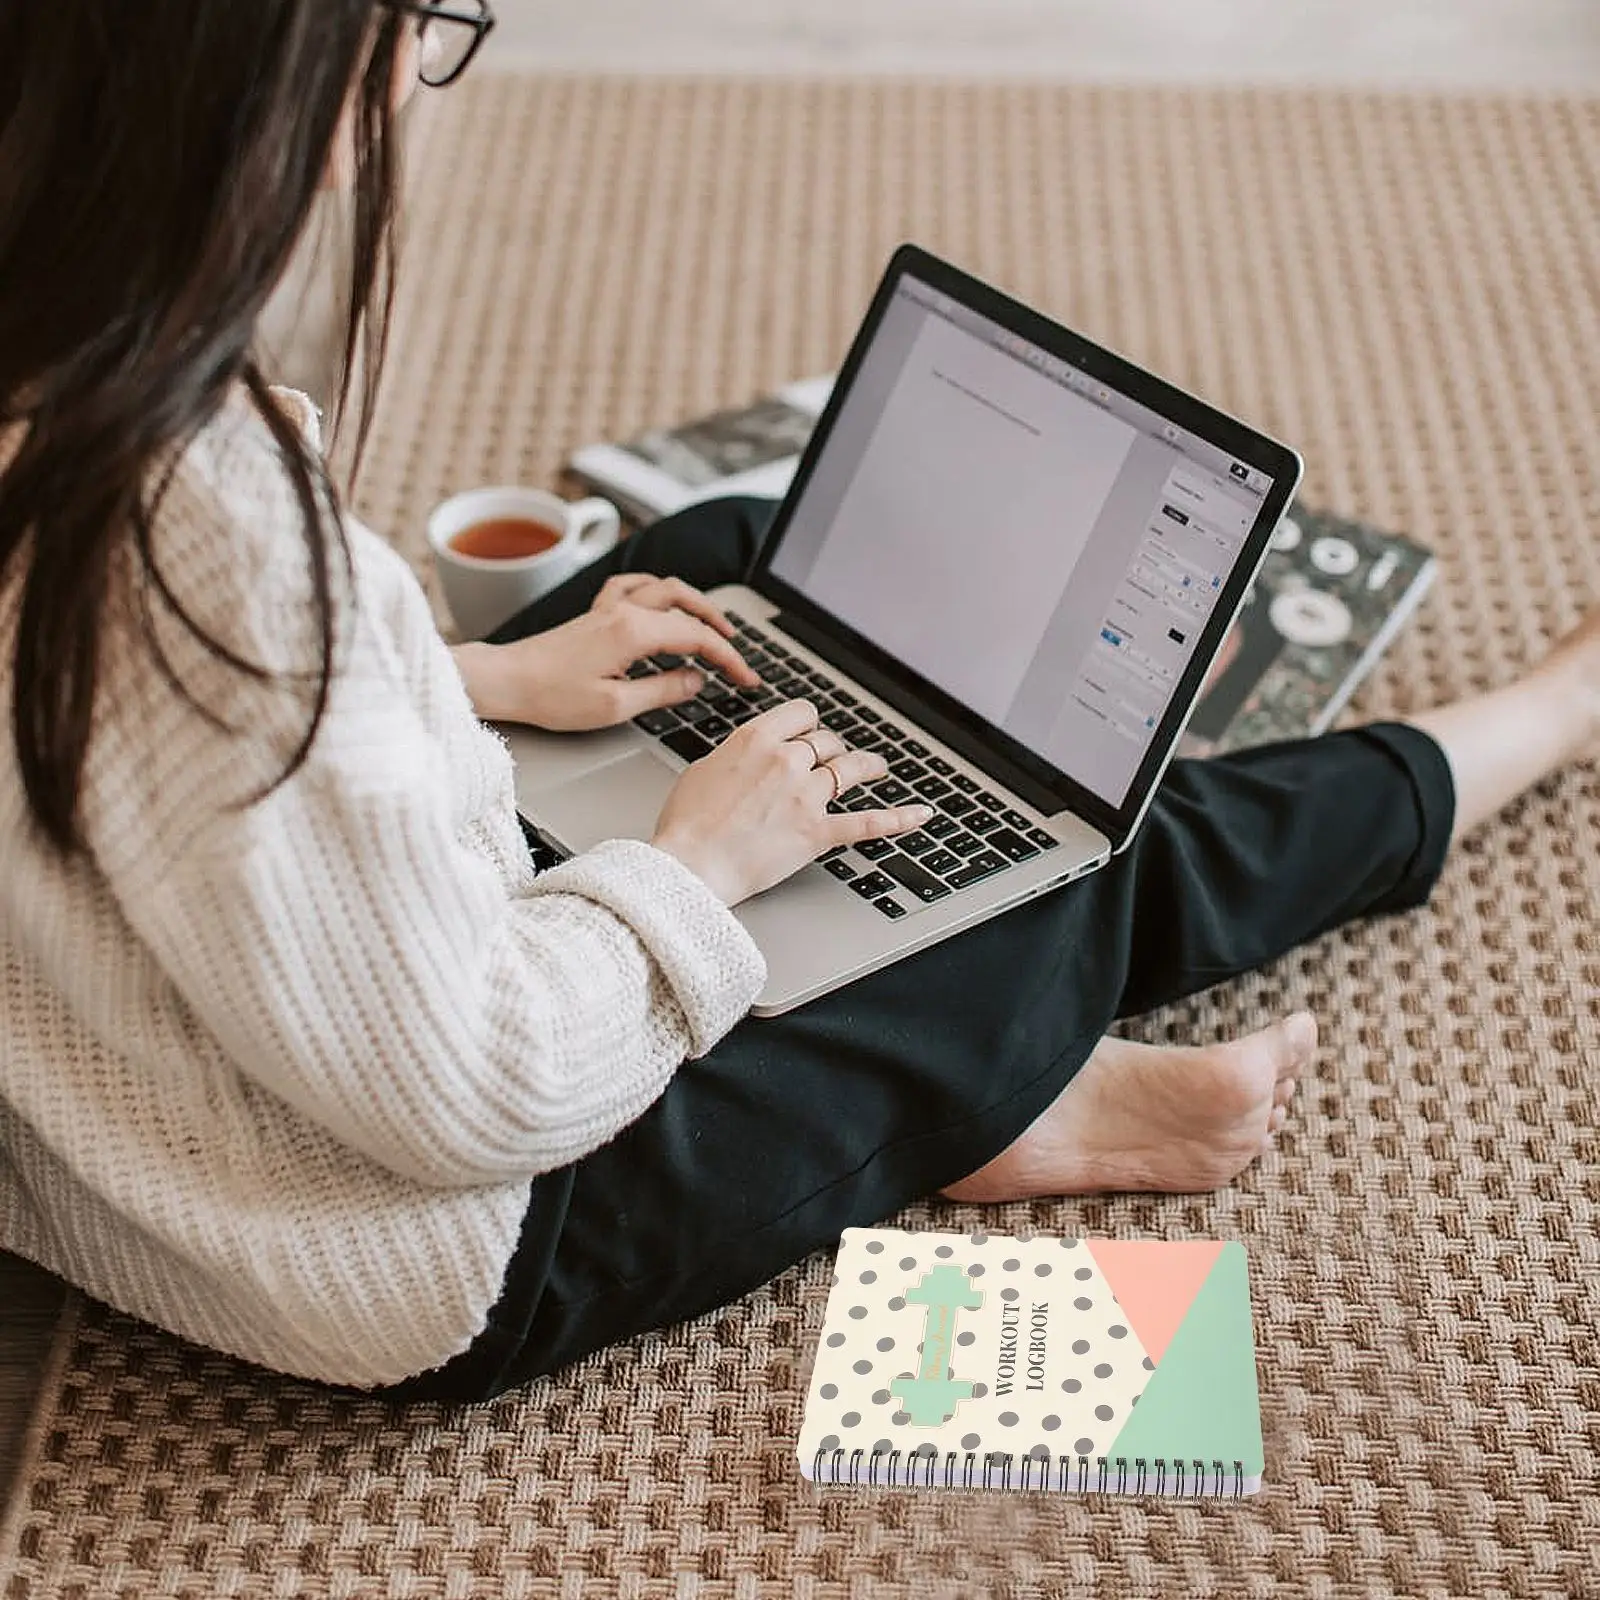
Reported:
(1331, 596)
(748, 449)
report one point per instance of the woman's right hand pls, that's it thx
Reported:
(755, 811)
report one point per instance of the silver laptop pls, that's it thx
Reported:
(1007, 561)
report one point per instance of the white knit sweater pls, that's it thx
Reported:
(276, 1076)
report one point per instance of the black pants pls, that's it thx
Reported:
(837, 1114)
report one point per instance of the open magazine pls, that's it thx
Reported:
(1331, 596)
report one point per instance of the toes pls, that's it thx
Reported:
(1300, 1035)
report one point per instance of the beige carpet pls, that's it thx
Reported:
(1410, 290)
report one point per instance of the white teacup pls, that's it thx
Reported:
(483, 592)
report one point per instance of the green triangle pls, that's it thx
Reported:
(1201, 1403)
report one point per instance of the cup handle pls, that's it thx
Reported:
(599, 528)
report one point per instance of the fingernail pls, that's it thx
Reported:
(922, 813)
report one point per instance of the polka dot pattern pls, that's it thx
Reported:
(1086, 1369)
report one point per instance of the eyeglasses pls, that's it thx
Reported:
(449, 36)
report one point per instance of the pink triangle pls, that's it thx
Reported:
(1155, 1282)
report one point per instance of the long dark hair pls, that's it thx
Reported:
(158, 164)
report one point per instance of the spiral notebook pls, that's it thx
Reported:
(978, 1361)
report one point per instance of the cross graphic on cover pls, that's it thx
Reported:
(932, 1396)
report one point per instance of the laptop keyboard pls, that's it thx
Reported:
(973, 835)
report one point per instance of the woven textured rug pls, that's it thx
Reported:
(1409, 289)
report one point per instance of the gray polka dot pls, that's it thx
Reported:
(975, 1270)
(850, 1419)
(834, 1280)
(979, 1390)
(1148, 1364)
(1134, 1401)
(966, 1338)
(874, 1247)
(1080, 1347)
(1008, 1419)
(1071, 1386)
(858, 1312)
(979, 1236)
(863, 1367)
(831, 1442)
(905, 1375)
(1084, 1447)
(1104, 1413)
(881, 1397)
(970, 1441)
(1040, 1452)
(1084, 1303)
(909, 1264)
(1051, 1423)
(1083, 1274)
(1103, 1370)
(884, 1446)
(835, 1340)
(829, 1391)
(1010, 1294)
(944, 1251)
(869, 1276)
(886, 1344)
(900, 1418)
(1011, 1265)
(1042, 1270)
(1117, 1331)
(897, 1304)
(926, 1450)
(1069, 1244)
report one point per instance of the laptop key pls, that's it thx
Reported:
(874, 849)
(982, 822)
(641, 669)
(922, 884)
(907, 770)
(694, 711)
(891, 792)
(917, 844)
(715, 728)
(965, 844)
(941, 766)
(957, 806)
(726, 705)
(1015, 819)
(913, 748)
(933, 789)
(845, 699)
(940, 828)
(990, 802)
(1011, 845)
(686, 742)
(943, 862)
(842, 870)
(872, 886)
(662, 721)
(867, 714)
(1044, 840)
(977, 869)
(668, 663)
(891, 908)
(964, 783)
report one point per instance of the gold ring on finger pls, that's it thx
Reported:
(833, 772)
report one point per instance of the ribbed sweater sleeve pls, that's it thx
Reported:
(368, 943)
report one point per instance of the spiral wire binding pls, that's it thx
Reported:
(1176, 1479)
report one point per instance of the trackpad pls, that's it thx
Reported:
(621, 800)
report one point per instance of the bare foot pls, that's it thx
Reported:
(1574, 660)
(1144, 1117)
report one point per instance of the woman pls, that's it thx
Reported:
(301, 1058)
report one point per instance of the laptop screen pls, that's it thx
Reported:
(1044, 549)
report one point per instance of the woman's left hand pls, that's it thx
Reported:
(574, 678)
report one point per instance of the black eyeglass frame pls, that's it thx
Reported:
(481, 22)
